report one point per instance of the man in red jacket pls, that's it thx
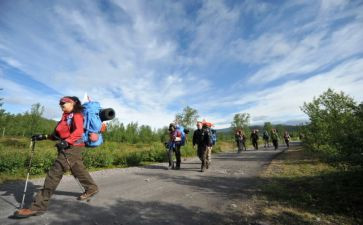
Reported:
(69, 132)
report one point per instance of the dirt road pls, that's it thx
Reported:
(152, 194)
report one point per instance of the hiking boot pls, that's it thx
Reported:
(202, 169)
(25, 213)
(207, 165)
(86, 195)
(177, 167)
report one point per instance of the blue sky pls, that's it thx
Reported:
(150, 59)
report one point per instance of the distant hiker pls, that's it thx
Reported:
(301, 136)
(254, 139)
(239, 140)
(266, 139)
(202, 138)
(175, 142)
(68, 132)
(275, 139)
(287, 139)
(244, 139)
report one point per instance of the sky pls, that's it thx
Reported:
(150, 59)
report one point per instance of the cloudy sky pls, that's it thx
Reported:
(149, 59)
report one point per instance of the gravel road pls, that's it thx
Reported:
(151, 195)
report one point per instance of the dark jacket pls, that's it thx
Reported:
(202, 138)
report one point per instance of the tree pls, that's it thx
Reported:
(35, 116)
(240, 121)
(187, 118)
(334, 124)
(267, 126)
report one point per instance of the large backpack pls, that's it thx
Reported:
(183, 136)
(214, 136)
(92, 124)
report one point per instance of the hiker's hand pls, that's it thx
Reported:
(39, 137)
(61, 145)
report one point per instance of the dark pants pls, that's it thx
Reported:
(267, 144)
(177, 156)
(255, 144)
(287, 141)
(55, 174)
(239, 145)
(202, 154)
(276, 144)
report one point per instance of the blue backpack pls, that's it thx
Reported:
(214, 136)
(92, 124)
(183, 137)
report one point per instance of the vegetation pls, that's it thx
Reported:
(336, 128)
(298, 187)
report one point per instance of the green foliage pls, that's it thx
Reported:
(335, 127)
(188, 118)
(241, 121)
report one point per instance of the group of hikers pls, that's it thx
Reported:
(204, 137)
(73, 134)
(241, 139)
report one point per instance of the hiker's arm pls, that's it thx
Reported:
(77, 133)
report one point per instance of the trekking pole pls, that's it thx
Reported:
(32, 144)
(69, 164)
(70, 168)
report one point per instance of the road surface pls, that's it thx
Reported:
(151, 195)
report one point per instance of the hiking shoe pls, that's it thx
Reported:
(86, 195)
(25, 213)
(177, 167)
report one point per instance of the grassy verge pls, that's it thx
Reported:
(15, 155)
(299, 188)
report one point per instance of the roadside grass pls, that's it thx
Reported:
(300, 188)
(15, 155)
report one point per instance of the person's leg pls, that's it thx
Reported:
(204, 152)
(208, 156)
(54, 175)
(178, 156)
(78, 169)
(170, 157)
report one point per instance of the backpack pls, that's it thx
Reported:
(92, 124)
(214, 136)
(183, 136)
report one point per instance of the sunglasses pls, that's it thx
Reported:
(62, 103)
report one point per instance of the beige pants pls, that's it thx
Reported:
(209, 154)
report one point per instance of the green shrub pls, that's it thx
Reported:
(97, 157)
(12, 160)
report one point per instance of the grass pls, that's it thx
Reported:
(300, 188)
(15, 155)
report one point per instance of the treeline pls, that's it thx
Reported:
(133, 133)
(336, 127)
(25, 124)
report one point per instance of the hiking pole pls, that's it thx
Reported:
(70, 168)
(69, 164)
(32, 144)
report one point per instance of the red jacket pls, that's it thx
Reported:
(70, 128)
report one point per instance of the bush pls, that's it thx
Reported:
(335, 127)
(97, 157)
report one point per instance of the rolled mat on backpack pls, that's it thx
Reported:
(107, 114)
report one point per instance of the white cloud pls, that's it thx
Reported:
(158, 56)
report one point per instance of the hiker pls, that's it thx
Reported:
(174, 146)
(68, 132)
(254, 139)
(275, 139)
(244, 139)
(287, 139)
(239, 141)
(202, 139)
(266, 139)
